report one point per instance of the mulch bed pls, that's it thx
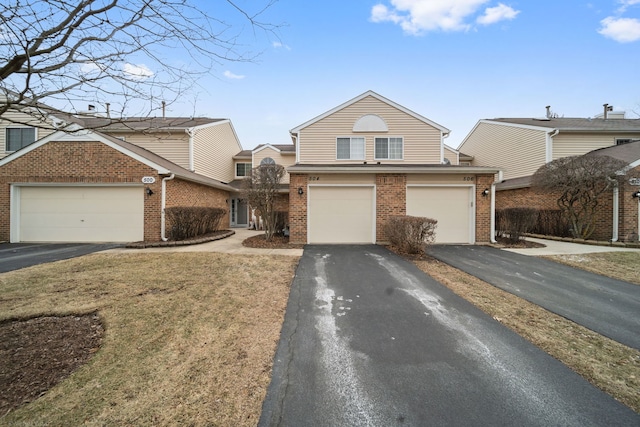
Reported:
(38, 353)
(276, 242)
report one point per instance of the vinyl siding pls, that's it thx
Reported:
(450, 155)
(568, 144)
(286, 161)
(172, 146)
(421, 142)
(213, 149)
(15, 116)
(517, 151)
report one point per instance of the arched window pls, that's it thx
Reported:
(267, 161)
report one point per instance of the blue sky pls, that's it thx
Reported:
(452, 61)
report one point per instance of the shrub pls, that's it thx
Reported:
(282, 220)
(513, 223)
(185, 222)
(410, 234)
(551, 222)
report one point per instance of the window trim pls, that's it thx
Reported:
(351, 138)
(388, 138)
(247, 164)
(6, 139)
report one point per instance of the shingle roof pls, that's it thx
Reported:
(577, 124)
(629, 152)
(143, 123)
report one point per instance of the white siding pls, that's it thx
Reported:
(575, 144)
(173, 146)
(283, 160)
(213, 150)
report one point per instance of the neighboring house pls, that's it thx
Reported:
(519, 146)
(244, 161)
(87, 186)
(369, 159)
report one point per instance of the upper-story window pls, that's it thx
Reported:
(350, 148)
(388, 148)
(16, 138)
(243, 169)
(267, 161)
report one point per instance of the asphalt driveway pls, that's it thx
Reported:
(14, 256)
(604, 305)
(370, 340)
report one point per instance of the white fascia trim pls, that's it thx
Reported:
(378, 97)
(517, 125)
(257, 150)
(390, 169)
(549, 144)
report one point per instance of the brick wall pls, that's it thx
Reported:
(628, 208)
(391, 200)
(526, 197)
(483, 208)
(186, 193)
(298, 208)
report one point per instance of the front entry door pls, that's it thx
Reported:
(239, 213)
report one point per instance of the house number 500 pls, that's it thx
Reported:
(467, 178)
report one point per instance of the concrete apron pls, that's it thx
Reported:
(555, 247)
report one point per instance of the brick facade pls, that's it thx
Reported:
(186, 193)
(627, 208)
(391, 200)
(94, 163)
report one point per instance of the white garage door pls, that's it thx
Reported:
(341, 215)
(81, 214)
(451, 206)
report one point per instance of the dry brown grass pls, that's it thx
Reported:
(609, 365)
(189, 338)
(619, 265)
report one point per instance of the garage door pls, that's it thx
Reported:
(81, 214)
(341, 215)
(451, 206)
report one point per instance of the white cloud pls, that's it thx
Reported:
(137, 72)
(90, 67)
(228, 74)
(623, 30)
(419, 16)
(279, 45)
(624, 4)
(496, 14)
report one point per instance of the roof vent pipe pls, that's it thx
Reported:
(108, 105)
(548, 107)
(164, 104)
(607, 108)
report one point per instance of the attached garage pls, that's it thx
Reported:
(341, 214)
(79, 213)
(451, 206)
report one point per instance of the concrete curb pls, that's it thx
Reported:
(168, 244)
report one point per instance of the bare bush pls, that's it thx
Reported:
(551, 222)
(186, 222)
(262, 189)
(513, 223)
(410, 234)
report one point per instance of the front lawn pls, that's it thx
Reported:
(188, 338)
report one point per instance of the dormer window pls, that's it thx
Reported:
(350, 148)
(388, 148)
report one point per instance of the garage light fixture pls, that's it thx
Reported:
(148, 191)
(300, 191)
(485, 192)
(636, 194)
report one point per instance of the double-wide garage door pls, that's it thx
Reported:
(347, 214)
(81, 214)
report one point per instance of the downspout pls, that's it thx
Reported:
(191, 132)
(549, 143)
(163, 205)
(493, 208)
(616, 213)
(297, 148)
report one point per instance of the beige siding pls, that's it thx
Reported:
(421, 141)
(440, 179)
(283, 160)
(517, 151)
(450, 155)
(568, 144)
(173, 146)
(11, 118)
(213, 149)
(342, 178)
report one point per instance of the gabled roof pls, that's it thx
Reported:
(162, 165)
(281, 148)
(143, 123)
(574, 124)
(371, 93)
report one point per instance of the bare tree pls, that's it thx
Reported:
(121, 54)
(580, 182)
(261, 190)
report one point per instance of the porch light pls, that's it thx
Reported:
(485, 192)
(636, 194)
(300, 191)
(148, 191)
